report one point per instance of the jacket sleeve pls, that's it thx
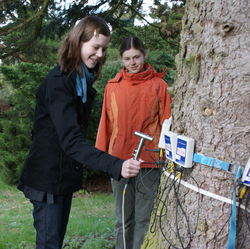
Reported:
(104, 130)
(165, 100)
(62, 109)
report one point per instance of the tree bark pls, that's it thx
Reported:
(211, 104)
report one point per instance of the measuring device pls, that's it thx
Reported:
(143, 137)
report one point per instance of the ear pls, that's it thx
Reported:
(145, 53)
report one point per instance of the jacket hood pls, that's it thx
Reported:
(141, 77)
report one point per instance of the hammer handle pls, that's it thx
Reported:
(137, 153)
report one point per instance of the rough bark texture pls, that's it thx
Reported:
(212, 105)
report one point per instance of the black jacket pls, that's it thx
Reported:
(59, 148)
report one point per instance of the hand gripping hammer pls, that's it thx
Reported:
(137, 152)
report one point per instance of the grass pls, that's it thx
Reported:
(90, 226)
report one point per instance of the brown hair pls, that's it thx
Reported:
(131, 42)
(69, 57)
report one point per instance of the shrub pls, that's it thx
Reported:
(16, 122)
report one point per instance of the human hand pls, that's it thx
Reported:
(131, 168)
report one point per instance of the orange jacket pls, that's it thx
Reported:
(133, 102)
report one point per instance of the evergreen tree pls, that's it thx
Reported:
(24, 22)
(16, 123)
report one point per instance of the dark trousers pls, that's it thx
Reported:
(50, 221)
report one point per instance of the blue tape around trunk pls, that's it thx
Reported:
(211, 162)
(232, 233)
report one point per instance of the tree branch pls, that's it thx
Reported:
(113, 9)
(40, 13)
(5, 51)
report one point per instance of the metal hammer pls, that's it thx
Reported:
(137, 152)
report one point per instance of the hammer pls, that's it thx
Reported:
(137, 152)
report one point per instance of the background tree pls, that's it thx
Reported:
(29, 26)
(23, 22)
(211, 104)
(170, 20)
(16, 123)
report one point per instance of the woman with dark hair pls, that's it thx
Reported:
(53, 169)
(135, 100)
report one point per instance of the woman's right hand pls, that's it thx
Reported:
(131, 168)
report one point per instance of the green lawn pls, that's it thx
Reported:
(91, 222)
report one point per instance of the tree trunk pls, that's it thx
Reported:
(211, 104)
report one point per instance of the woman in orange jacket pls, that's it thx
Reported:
(136, 99)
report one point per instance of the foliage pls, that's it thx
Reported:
(170, 21)
(16, 123)
(41, 51)
(24, 22)
(159, 60)
(30, 27)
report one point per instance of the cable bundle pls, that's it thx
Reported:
(169, 204)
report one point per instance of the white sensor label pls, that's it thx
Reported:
(170, 145)
(181, 151)
(168, 149)
(184, 151)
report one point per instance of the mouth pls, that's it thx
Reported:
(133, 68)
(94, 60)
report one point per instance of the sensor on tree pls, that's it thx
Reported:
(184, 151)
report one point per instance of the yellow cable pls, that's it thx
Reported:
(179, 175)
(161, 153)
(172, 167)
(243, 191)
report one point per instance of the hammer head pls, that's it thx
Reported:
(144, 136)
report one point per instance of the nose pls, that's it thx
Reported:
(132, 61)
(99, 53)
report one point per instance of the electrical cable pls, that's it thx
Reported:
(232, 231)
(204, 192)
(123, 222)
(242, 193)
(158, 201)
(162, 206)
(155, 182)
(216, 238)
(176, 215)
(207, 193)
(246, 218)
(243, 230)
